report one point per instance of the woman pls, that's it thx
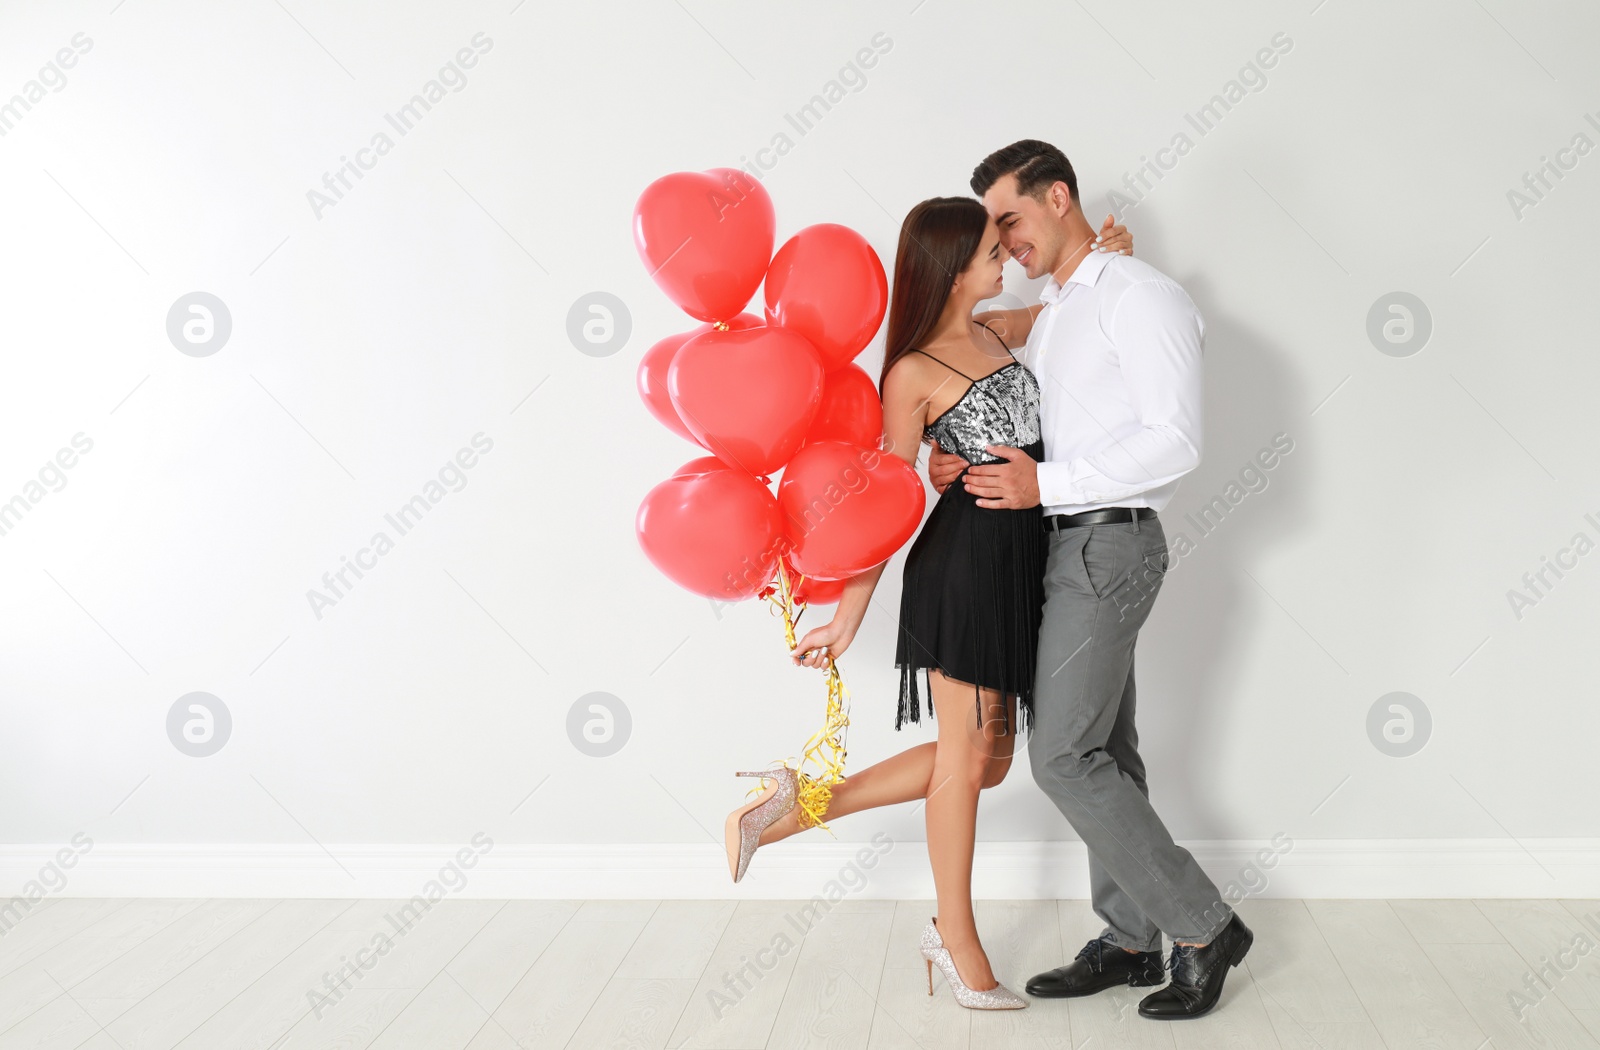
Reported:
(974, 577)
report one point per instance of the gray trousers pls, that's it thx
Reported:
(1100, 583)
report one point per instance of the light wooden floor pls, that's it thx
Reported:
(494, 975)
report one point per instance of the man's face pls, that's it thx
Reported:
(1032, 231)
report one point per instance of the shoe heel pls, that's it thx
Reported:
(930, 975)
(1244, 946)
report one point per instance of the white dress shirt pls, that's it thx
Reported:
(1117, 352)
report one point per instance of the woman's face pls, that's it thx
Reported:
(984, 275)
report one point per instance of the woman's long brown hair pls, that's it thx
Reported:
(937, 241)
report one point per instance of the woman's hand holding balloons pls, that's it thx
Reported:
(763, 397)
(819, 643)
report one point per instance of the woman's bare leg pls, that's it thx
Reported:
(898, 778)
(965, 761)
(904, 777)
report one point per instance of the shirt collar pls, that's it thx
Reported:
(1087, 272)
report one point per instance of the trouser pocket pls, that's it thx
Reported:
(1124, 565)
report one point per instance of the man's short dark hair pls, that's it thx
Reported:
(1037, 166)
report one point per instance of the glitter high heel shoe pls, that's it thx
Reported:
(997, 998)
(756, 817)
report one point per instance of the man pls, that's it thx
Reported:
(1116, 346)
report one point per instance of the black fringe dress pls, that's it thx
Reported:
(973, 594)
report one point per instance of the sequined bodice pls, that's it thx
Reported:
(1001, 408)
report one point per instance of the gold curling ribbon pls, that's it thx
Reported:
(721, 326)
(825, 750)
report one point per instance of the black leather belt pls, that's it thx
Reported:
(1103, 516)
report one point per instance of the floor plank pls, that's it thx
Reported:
(1296, 1034)
(169, 1013)
(318, 974)
(1484, 976)
(1021, 938)
(441, 1016)
(678, 940)
(1407, 1000)
(1295, 969)
(361, 1016)
(1544, 933)
(49, 974)
(1446, 922)
(906, 1017)
(833, 990)
(737, 997)
(61, 1023)
(492, 963)
(549, 1003)
(766, 975)
(1108, 1018)
(50, 923)
(634, 1013)
(157, 959)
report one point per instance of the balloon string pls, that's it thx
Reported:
(826, 749)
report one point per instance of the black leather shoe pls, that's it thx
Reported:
(1197, 974)
(1099, 965)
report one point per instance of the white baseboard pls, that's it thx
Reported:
(1347, 868)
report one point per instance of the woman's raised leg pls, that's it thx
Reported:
(898, 778)
(904, 777)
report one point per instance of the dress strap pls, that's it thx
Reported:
(957, 371)
(1003, 345)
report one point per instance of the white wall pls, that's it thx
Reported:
(373, 338)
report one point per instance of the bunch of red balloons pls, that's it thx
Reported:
(762, 394)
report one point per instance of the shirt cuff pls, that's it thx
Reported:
(1058, 487)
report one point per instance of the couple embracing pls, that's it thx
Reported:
(1026, 588)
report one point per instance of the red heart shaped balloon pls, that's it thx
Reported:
(850, 409)
(703, 465)
(848, 508)
(652, 375)
(747, 396)
(706, 238)
(712, 530)
(813, 591)
(828, 284)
